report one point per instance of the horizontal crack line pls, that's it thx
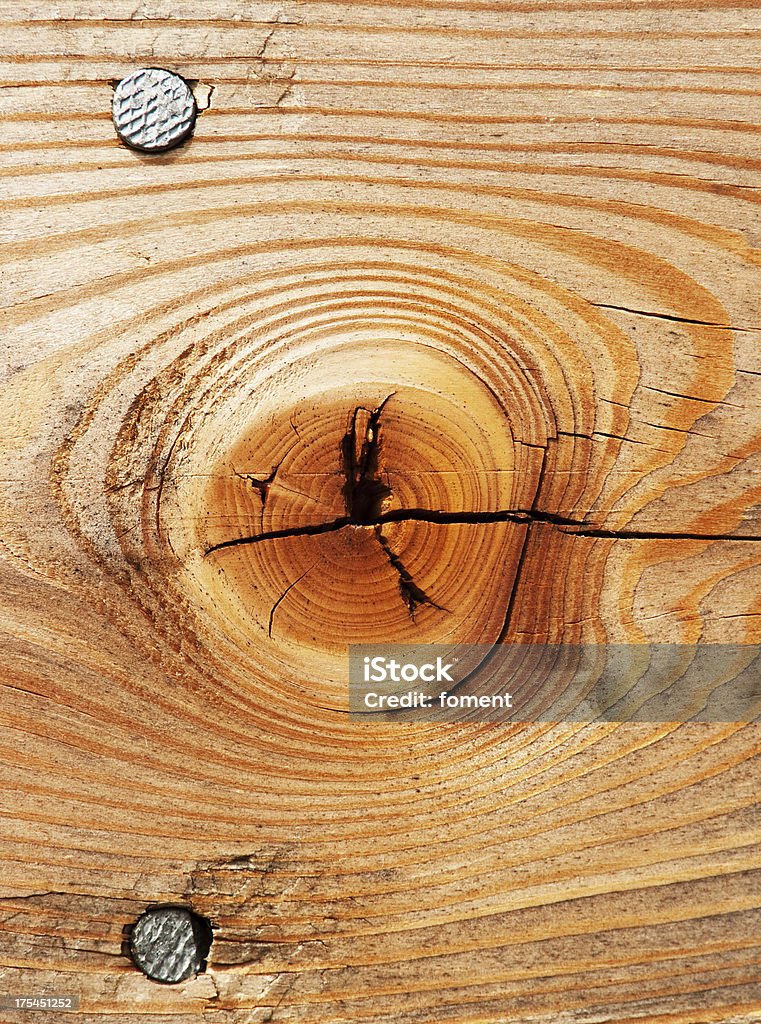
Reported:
(672, 317)
(521, 516)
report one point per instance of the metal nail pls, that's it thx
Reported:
(170, 943)
(153, 110)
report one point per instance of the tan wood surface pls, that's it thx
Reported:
(513, 248)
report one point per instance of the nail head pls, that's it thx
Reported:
(170, 944)
(153, 110)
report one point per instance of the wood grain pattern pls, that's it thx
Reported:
(528, 233)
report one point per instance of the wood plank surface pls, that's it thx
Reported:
(515, 246)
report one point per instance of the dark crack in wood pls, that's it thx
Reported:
(412, 595)
(364, 491)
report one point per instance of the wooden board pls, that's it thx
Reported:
(522, 235)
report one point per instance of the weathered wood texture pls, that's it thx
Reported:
(532, 228)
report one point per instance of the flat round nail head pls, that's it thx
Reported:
(170, 944)
(153, 110)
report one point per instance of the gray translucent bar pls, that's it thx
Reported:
(555, 682)
(45, 1003)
